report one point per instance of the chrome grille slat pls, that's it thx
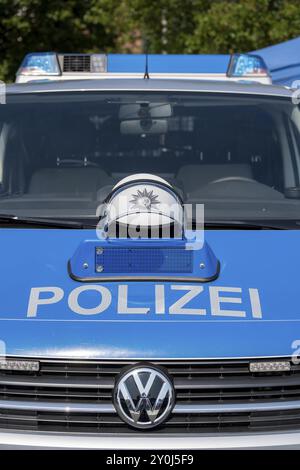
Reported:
(65, 407)
(238, 383)
(206, 371)
(177, 423)
(55, 395)
(61, 383)
(175, 420)
(232, 394)
(53, 419)
(195, 408)
(80, 371)
(179, 383)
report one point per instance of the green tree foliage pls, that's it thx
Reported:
(166, 24)
(215, 26)
(62, 25)
(172, 26)
(244, 25)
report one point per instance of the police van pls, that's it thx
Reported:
(149, 211)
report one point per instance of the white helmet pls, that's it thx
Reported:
(143, 206)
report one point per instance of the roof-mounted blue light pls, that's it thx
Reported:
(40, 63)
(71, 66)
(247, 66)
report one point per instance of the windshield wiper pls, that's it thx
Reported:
(8, 219)
(249, 225)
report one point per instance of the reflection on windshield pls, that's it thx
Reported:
(60, 155)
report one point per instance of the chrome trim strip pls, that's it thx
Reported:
(238, 407)
(142, 441)
(56, 407)
(105, 383)
(102, 359)
(61, 407)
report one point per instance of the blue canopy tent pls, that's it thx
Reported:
(283, 61)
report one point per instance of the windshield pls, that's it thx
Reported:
(62, 153)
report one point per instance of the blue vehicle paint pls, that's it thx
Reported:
(267, 261)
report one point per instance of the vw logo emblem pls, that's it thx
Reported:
(144, 397)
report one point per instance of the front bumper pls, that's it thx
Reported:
(36, 440)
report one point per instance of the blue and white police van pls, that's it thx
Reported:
(149, 246)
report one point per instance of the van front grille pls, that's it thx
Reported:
(211, 396)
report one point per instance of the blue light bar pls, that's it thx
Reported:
(168, 63)
(40, 63)
(43, 65)
(247, 66)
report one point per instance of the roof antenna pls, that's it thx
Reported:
(146, 74)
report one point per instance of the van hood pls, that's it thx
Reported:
(251, 310)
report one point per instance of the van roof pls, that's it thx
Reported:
(150, 85)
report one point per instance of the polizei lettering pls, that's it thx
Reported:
(173, 300)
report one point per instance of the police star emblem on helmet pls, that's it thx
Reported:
(144, 397)
(144, 199)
